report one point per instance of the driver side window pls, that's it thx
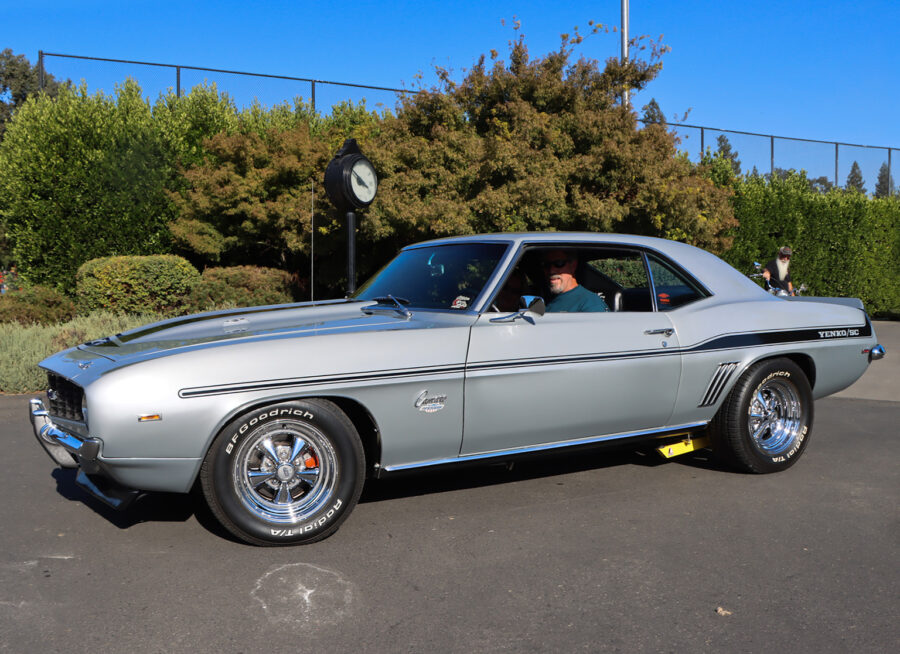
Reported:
(617, 276)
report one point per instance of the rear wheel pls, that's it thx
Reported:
(284, 474)
(764, 424)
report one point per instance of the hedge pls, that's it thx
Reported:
(140, 284)
(36, 305)
(845, 243)
(241, 286)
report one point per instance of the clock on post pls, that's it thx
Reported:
(351, 184)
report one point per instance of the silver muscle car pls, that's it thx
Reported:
(452, 353)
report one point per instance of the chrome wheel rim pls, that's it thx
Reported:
(285, 471)
(775, 417)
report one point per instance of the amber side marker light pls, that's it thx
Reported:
(149, 417)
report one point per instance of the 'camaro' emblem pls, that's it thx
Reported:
(430, 403)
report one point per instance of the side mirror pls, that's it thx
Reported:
(533, 303)
(528, 303)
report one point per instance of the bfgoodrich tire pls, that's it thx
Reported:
(764, 424)
(284, 474)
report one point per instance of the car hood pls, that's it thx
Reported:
(268, 322)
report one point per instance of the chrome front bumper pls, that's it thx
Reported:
(68, 450)
(71, 451)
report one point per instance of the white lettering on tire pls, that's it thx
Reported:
(318, 522)
(300, 413)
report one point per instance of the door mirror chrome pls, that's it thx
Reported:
(533, 303)
(530, 304)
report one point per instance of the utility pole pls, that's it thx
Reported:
(625, 99)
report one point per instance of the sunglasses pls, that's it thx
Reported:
(556, 263)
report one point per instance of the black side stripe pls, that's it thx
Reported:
(734, 341)
(201, 391)
(725, 342)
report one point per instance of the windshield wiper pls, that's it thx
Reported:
(399, 301)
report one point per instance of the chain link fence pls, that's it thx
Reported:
(242, 87)
(827, 163)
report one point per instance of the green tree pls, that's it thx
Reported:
(885, 184)
(184, 122)
(821, 184)
(249, 201)
(855, 180)
(653, 114)
(85, 176)
(18, 81)
(253, 194)
(725, 152)
(538, 144)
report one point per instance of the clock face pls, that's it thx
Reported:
(363, 181)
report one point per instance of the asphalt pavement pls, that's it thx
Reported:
(882, 380)
(609, 550)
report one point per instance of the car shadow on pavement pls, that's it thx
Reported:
(178, 507)
(149, 507)
(424, 481)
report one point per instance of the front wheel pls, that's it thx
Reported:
(764, 424)
(284, 474)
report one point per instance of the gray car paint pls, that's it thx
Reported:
(507, 386)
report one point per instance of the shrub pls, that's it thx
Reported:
(23, 347)
(241, 286)
(156, 283)
(36, 305)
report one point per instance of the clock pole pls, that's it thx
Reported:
(351, 184)
(351, 252)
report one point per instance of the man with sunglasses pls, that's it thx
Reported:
(777, 272)
(568, 295)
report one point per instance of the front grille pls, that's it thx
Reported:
(64, 397)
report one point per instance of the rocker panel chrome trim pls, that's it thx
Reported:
(667, 431)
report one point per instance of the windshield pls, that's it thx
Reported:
(436, 277)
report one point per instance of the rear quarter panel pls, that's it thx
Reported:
(714, 332)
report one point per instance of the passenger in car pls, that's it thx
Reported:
(568, 295)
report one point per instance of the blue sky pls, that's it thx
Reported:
(824, 70)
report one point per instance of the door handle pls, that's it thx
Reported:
(665, 331)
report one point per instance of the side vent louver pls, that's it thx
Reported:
(717, 383)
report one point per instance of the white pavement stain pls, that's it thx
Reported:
(304, 594)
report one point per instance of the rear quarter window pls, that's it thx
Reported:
(674, 288)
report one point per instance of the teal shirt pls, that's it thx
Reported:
(579, 299)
